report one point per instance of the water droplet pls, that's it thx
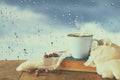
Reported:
(76, 16)
(15, 33)
(38, 30)
(96, 22)
(92, 1)
(21, 1)
(9, 47)
(55, 16)
(111, 22)
(18, 57)
(12, 22)
(24, 49)
(69, 14)
(105, 5)
(34, 2)
(70, 23)
(63, 15)
(3, 26)
(112, 4)
(51, 43)
(1, 12)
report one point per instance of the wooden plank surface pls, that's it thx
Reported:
(7, 72)
(73, 65)
(63, 76)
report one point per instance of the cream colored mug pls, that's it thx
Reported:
(80, 45)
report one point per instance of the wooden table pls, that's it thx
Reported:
(7, 72)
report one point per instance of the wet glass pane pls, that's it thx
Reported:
(34, 27)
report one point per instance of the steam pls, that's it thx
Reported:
(99, 32)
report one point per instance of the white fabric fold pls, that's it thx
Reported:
(106, 58)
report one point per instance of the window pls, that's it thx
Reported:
(35, 27)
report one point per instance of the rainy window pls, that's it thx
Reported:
(34, 27)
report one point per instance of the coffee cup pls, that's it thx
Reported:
(80, 45)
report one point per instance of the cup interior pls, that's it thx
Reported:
(80, 35)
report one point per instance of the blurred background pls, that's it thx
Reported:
(30, 28)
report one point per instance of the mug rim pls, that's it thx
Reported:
(80, 35)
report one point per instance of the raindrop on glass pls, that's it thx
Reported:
(1, 12)
(112, 4)
(18, 57)
(12, 22)
(51, 43)
(92, 1)
(21, 1)
(9, 47)
(96, 22)
(25, 51)
(76, 16)
(105, 5)
(69, 14)
(63, 15)
(34, 2)
(3, 26)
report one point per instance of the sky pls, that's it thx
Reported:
(34, 24)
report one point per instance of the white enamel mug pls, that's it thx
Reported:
(80, 45)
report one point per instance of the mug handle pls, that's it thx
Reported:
(94, 45)
(96, 41)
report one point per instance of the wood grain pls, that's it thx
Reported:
(73, 65)
(64, 76)
(7, 72)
